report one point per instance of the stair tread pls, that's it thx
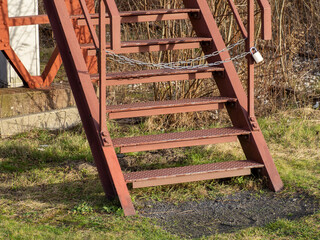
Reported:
(168, 104)
(190, 170)
(158, 11)
(155, 72)
(149, 42)
(145, 12)
(179, 136)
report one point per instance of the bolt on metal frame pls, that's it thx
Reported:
(93, 111)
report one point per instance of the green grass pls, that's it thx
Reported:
(49, 188)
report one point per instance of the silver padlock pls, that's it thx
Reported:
(256, 55)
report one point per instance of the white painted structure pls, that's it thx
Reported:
(25, 42)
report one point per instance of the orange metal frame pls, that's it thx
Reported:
(55, 61)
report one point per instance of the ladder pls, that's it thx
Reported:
(94, 112)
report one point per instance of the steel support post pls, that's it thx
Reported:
(88, 105)
(249, 45)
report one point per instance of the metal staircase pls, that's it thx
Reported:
(94, 112)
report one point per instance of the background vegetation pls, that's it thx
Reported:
(288, 78)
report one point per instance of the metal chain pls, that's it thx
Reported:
(176, 65)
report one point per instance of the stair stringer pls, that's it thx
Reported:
(255, 147)
(105, 157)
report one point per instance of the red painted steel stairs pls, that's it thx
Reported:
(94, 112)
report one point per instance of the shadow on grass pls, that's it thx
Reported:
(22, 158)
(41, 168)
(67, 193)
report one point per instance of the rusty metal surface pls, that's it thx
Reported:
(190, 170)
(168, 104)
(179, 136)
(155, 72)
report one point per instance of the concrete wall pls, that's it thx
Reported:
(23, 109)
(24, 40)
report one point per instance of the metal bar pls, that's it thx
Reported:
(28, 20)
(191, 169)
(177, 144)
(161, 111)
(105, 157)
(191, 178)
(102, 67)
(249, 45)
(52, 68)
(89, 23)
(151, 42)
(82, 32)
(152, 48)
(160, 72)
(178, 77)
(230, 85)
(115, 25)
(156, 72)
(266, 19)
(4, 28)
(238, 18)
(81, 21)
(179, 136)
(138, 19)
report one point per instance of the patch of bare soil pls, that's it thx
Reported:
(228, 213)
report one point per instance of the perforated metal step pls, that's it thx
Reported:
(143, 16)
(190, 173)
(178, 139)
(167, 107)
(158, 75)
(153, 45)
